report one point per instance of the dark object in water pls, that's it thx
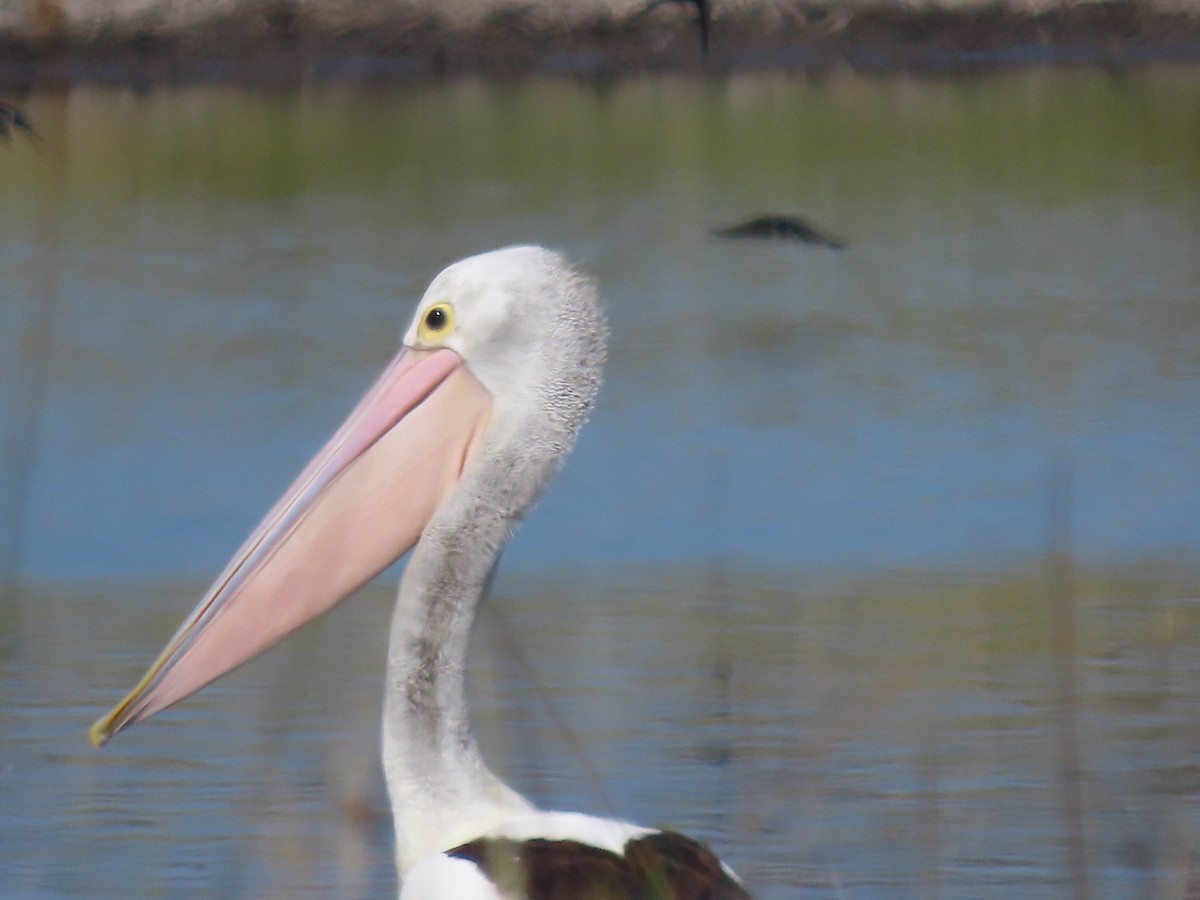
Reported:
(774, 225)
(12, 119)
(701, 8)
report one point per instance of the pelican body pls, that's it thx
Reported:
(444, 455)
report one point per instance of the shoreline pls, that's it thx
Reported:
(285, 42)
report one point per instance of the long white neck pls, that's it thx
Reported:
(441, 791)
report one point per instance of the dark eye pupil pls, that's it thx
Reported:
(435, 319)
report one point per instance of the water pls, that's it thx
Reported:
(791, 591)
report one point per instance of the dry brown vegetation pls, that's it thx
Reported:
(63, 40)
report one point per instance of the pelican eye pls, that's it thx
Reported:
(437, 323)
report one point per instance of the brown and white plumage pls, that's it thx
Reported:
(445, 455)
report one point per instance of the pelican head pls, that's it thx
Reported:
(496, 374)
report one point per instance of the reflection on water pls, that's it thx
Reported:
(879, 738)
(199, 282)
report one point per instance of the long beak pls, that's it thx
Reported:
(355, 509)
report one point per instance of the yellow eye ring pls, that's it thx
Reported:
(437, 324)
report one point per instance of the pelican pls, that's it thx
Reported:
(444, 455)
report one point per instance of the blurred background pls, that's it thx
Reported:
(877, 569)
